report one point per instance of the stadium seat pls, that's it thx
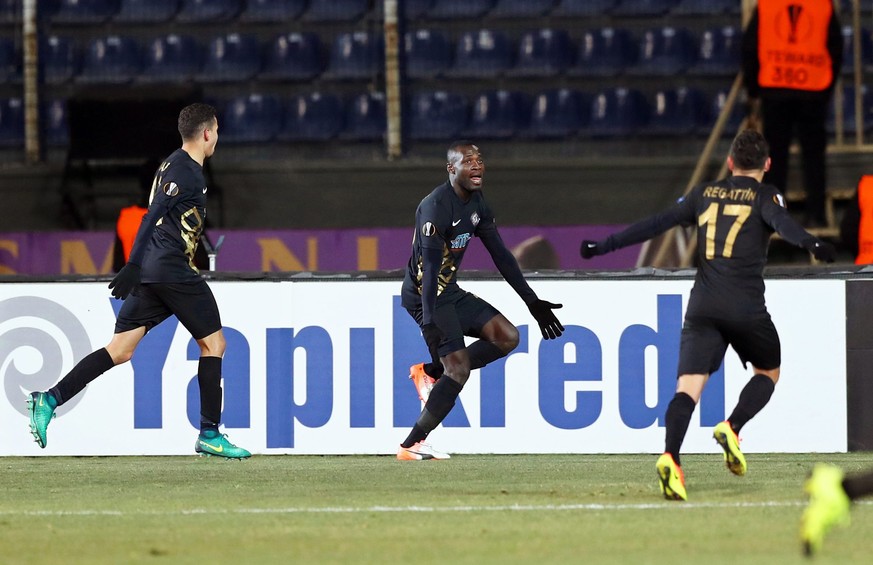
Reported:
(437, 115)
(355, 55)
(543, 53)
(618, 112)
(848, 107)
(365, 118)
(230, 58)
(204, 11)
(735, 119)
(583, 8)
(54, 120)
(642, 8)
(59, 59)
(10, 69)
(849, 50)
(459, 9)
(254, 118)
(272, 11)
(317, 116)
(482, 54)
(83, 12)
(336, 11)
(521, 8)
(498, 114)
(707, 7)
(293, 56)
(10, 11)
(11, 122)
(428, 53)
(415, 9)
(665, 51)
(146, 11)
(112, 59)
(171, 58)
(557, 113)
(719, 52)
(676, 112)
(604, 52)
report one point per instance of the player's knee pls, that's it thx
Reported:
(510, 341)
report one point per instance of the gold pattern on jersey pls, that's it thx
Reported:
(191, 233)
(446, 274)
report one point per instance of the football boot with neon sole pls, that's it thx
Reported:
(422, 381)
(828, 506)
(671, 480)
(420, 452)
(41, 407)
(213, 443)
(730, 443)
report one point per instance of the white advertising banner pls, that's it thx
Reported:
(321, 368)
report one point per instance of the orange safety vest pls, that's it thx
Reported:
(128, 223)
(793, 44)
(865, 227)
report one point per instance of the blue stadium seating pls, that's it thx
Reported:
(482, 54)
(604, 52)
(665, 51)
(849, 113)
(618, 112)
(272, 11)
(336, 11)
(642, 8)
(54, 120)
(678, 112)
(84, 12)
(171, 58)
(365, 118)
(557, 113)
(355, 55)
(583, 8)
(317, 116)
(735, 119)
(11, 122)
(707, 7)
(415, 9)
(113, 59)
(521, 8)
(10, 69)
(10, 11)
(543, 53)
(254, 118)
(437, 115)
(719, 52)
(849, 50)
(146, 11)
(428, 53)
(230, 58)
(203, 11)
(293, 56)
(498, 114)
(59, 59)
(459, 9)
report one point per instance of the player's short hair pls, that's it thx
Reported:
(195, 118)
(455, 146)
(749, 150)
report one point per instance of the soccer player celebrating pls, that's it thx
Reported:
(735, 218)
(158, 280)
(445, 222)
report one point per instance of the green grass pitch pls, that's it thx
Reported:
(367, 509)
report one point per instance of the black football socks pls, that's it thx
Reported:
(439, 404)
(209, 379)
(677, 419)
(754, 396)
(482, 352)
(85, 371)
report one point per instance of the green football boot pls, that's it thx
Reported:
(828, 506)
(211, 442)
(41, 407)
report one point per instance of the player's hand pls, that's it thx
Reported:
(126, 280)
(548, 322)
(432, 337)
(820, 249)
(590, 248)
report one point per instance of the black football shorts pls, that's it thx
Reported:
(458, 313)
(705, 340)
(152, 303)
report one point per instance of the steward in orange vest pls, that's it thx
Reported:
(129, 219)
(856, 227)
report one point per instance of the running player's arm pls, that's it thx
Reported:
(681, 213)
(775, 214)
(503, 258)
(164, 195)
(431, 220)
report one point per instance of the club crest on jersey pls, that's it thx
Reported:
(428, 229)
(170, 188)
(475, 219)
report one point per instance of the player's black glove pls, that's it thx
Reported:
(548, 322)
(126, 280)
(590, 248)
(432, 337)
(821, 250)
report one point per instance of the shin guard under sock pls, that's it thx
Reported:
(209, 379)
(482, 352)
(440, 402)
(85, 371)
(754, 396)
(677, 419)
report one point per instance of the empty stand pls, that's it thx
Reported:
(365, 118)
(146, 11)
(665, 51)
(10, 69)
(849, 50)
(849, 113)
(583, 8)
(498, 114)
(543, 53)
(271, 11)
(459, 9)
(521, 8)
(11, 122)
(707, 7)
(317, 116)
(415, 9)
(719, 52)
(172, 58)
(604, 52)
(677, 112)
(255, 118)
(428, 53)
(336, 11)
(557, 113)
(59, 59)
(112, 60)
(642, 8)
(735, 119)
(437, 115)
(484, 53)
(83, 12)
(293, 56)
(10, 11)
(230, 58)
(355, 55)
(205, 11)
(618, 112)
(54, 122)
